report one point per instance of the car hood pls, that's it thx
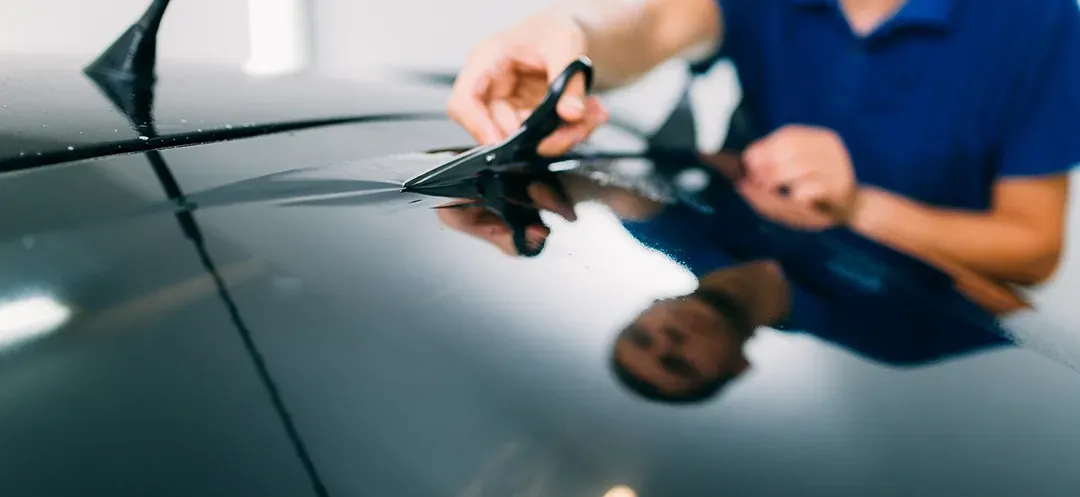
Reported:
(358, 318)
(318, 332)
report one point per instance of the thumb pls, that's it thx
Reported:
(571, 107)
(754, 154)
(756, 160)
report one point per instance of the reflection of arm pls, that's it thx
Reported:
(625, 204)
(630, 205)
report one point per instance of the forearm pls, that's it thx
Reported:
(993, 246)
(627, 38)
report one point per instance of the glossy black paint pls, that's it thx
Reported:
(412, 360)
(48, 105)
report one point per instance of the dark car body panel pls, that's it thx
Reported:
(49, 105)
(413, 360)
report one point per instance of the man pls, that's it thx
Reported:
(942, 128)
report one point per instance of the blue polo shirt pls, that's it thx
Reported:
(846, 290)
(938, 103)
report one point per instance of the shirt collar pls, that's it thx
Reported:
(923, 12)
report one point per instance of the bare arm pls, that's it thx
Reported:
(1019, 241)
(627, 38)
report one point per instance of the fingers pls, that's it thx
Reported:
(545, 198)
(774, 167)
(491, 74)
(535, 236)
(570, 134)
(528, 59)
(771, 167)
(775, 171)
(481, 223)
(782, 209)
(512, 76)
(756, 162)
(507, 117)
(492, 97)
(467, 106)
(571, 107)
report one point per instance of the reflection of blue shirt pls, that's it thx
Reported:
(890, 308)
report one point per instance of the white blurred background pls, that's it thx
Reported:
(345, 37)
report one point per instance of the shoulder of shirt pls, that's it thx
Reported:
(1022, 31)
(1038, 17)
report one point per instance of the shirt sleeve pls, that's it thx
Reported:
(1043, 125)
(677, 232)
(688, 238)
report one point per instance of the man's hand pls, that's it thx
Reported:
(507, 75)
(800, 176)
(482, 223)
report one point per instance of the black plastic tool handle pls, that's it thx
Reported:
(545, 119)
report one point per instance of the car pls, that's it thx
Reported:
(213, 284)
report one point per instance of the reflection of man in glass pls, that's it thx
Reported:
(687, 348)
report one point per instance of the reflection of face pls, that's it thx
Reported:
(679, 346)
